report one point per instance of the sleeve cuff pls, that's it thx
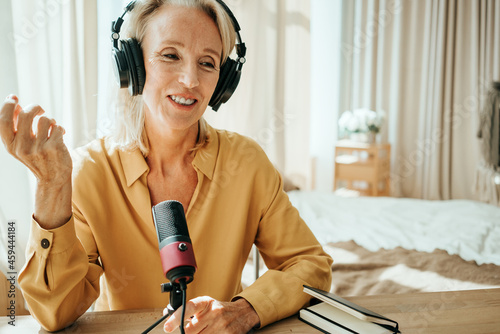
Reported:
(53, 241)
(261, 303)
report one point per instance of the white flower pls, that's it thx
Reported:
(353, 125)
(345, 118)
(361, 120)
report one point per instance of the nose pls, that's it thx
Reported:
(188, 75)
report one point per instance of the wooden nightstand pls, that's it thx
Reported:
(363, 167)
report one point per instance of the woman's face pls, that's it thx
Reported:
(182, 51)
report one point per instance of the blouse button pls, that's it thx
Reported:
(45, 243)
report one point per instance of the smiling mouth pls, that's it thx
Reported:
(181, 100)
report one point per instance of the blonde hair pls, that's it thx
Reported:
(129, 132)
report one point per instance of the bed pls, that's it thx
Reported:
(384, 245)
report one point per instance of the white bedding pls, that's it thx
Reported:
(467, 228)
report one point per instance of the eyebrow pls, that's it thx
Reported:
(176, 43)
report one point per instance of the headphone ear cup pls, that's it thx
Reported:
(136, 72)
(120, 68)
(229, 78)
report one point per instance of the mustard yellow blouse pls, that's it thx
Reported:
(238, 201)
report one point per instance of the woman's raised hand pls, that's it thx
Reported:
(43, 151)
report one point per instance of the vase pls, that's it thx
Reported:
(364, 137)
(371, 137)
(358, 137)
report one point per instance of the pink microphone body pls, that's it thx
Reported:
(176, 251)
(178, 254)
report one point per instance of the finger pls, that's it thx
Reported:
(7, 127)
(43, 127)
(175, 319)
(56, 133)
(15, 119)
(25, 120)
(12, 97)
(172, 321)
(193, 307)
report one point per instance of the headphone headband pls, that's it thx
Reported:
(241, 49)
(117, 25)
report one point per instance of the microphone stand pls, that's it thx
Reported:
(175, 290)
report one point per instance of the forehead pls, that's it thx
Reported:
(183, 24)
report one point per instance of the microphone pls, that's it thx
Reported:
(176, 251)
(176, 254)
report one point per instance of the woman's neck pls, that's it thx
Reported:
(170, 146)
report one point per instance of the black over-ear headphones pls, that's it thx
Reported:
(129, 63)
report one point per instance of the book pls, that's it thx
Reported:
(334, 314)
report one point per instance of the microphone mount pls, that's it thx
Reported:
(175, 290)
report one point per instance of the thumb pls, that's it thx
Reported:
(173, 321)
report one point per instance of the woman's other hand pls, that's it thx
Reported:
(43, 151)
(208, 315)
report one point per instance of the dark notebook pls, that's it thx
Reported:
(337, 315)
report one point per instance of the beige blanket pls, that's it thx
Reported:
(357, 271)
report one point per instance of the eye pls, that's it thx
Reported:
(207, 64)
(172, 56)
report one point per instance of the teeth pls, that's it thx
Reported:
(181, 100)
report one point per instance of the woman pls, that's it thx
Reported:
(99, 221)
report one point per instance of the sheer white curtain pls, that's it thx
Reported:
(55, 44)
(49, 57)
(428, 65)
(15, 199)
(271, 104)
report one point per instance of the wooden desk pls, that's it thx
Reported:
(457, 312)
